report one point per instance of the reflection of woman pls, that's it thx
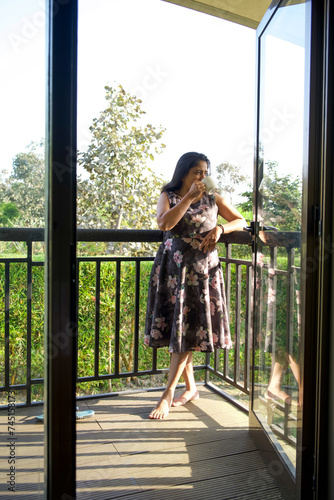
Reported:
(186, 308)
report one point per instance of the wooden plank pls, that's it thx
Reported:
(152, 476)
(202, 450)
(160, 477)
(247, 485)
(172, 457)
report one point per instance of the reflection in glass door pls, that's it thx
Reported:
(278, 335)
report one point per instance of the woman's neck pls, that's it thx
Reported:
(182, 191)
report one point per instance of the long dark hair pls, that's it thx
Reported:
(185, 163)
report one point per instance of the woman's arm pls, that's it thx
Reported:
(235, 222)
(168, 217)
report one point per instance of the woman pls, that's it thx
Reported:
(186, 308)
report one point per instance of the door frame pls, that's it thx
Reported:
(304, 484)
(62, 41)
(60, 242)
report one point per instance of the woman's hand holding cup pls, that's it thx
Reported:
(196, 191)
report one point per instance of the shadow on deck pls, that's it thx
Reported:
(202, 450)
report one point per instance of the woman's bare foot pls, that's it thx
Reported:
(163, 406)
(276, 393)
(185, 397)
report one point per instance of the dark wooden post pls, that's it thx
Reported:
(60, 330)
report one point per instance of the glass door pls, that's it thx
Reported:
(277, 394)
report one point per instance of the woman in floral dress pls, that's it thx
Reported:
(186, 308)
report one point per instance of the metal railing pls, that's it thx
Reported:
(228, 368)
(227, 372)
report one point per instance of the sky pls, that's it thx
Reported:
(195, 74)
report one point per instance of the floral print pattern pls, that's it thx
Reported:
(186, 309)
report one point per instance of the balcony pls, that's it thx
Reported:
(203, 447)
(201, 450)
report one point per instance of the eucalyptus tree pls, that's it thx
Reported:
(119, 188)
(229, 177)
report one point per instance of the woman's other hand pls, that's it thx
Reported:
(210, 240)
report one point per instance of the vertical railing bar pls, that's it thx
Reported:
(97, 317)
(117, 314)
(207, 363)
(271, 302)
(288, 301)
(216, 359)
(136, 329)
(29, 294)
(78, 262)
(274, 291)
(228, 298)
(247, 327)
(237, 323)
(291, 287)
(154, 358)
(289, 320)
(7, 366)
(259, 297)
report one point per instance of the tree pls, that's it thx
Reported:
(8, 213)
(228, 177)
(281, 199)
(121, 190)
(24, 188)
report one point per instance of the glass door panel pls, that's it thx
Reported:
(277, 386)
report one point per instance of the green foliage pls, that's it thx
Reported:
(121, 190)
(107, 321)
(24, 188)
(8, 213)
(281, 199)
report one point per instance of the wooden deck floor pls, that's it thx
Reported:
(202, 450)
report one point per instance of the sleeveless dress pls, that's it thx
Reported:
(186, 308)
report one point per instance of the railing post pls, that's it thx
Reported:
(237, 324)
(228, 298)
(137, 311)
(248, 319)
(97, 318)
(7, 288)
(29, 293)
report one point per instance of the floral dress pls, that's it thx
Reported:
(186, 308)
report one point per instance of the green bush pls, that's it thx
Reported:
(107, 323)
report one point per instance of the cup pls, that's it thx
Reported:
(210, 185)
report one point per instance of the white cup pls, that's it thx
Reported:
(210, 185)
